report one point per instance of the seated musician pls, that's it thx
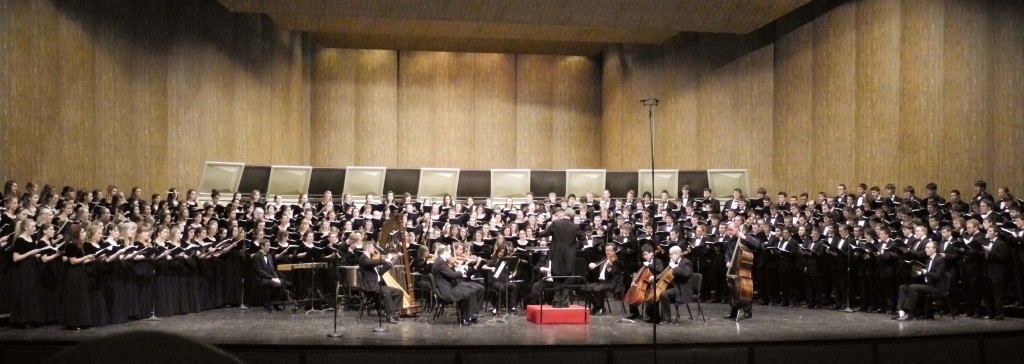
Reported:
(264, 266)
(450, 286)
(605, 275)
(373, 265)
(680, 291)
(498, 276)
(934, 280)
(656, 266)
(354, 243)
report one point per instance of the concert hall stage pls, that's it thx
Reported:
(775, 334)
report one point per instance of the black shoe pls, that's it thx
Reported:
(730, 317)
(633, 317)
(905, 318)
(474, 319)
(392, 320)
(748, 315)
(997, 318)
(464, 322)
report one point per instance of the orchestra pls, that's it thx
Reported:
(84, 258)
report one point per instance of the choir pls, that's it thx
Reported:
(82, 258)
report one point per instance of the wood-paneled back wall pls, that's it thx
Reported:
(872, 91)
(876, 91)
(141, 93)
(461, 110)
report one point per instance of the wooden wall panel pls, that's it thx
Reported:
(575, 114)
(534, 86)
(877, 124)
(494, 112)
(794, 112)
(834, 95)
(967, 120)
(1007, 101)
(921, 95)
(333, 118)
(753, 85)
(677, 120)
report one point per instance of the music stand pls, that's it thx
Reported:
(334, 269)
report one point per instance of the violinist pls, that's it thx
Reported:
(469, 264)
(499, 274)
(680, 291)
(655, 266)
(606, 275)
(373, 266)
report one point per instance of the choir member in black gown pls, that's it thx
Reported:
(165, 282)
(26, 309)
(75, 311)
(96, 271)
(145, 273)
(51, 267)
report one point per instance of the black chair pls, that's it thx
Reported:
(697, 281)
(440, 302)
(942, 298)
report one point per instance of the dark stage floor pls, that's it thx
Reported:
(770, 324)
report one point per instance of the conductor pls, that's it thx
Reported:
(564, 235)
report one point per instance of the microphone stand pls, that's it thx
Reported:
(152, 312)
(849, 267)
(334, 269)
(245, 256)
(380, 302)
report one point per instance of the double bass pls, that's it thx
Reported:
(740, 278)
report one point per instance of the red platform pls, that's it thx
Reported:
(574, 314)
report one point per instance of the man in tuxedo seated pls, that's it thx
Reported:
(466, 296)
(605, 275)
(266, 273)
(681, 291)
(934, 281)
(372, 268)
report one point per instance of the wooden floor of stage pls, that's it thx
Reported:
(228, 327)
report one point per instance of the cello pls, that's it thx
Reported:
(637, 292)
(739, 276)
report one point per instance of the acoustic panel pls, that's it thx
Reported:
(254, 178)
(474, 183)
(543, 182)
(326, 179)
(723, 181)
(664, 179)
(362, 181)
(698, 181)
(514, 183)
(437, 182)
(402, 180)
(221, 176)
(289, 180)
(581, 181)
(619, 183)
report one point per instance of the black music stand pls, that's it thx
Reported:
(334, 269)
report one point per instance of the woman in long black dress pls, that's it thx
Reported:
(74, 289)
(231, 265)
(116, 280)
(165, 282)
(26, 309)
(51, 267)
(145, 274)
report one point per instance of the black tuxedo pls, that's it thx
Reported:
(466, 296)
(934, 283)
(372, 270)
(681, 289)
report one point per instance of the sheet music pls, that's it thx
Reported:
(497, 272)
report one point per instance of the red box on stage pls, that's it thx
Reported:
(574, 314)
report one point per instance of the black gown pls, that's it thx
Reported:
(97, 273)
(74, 292)
(25, 289)
(7, 225)
(49, 277)
(144, 274)
(165, 285)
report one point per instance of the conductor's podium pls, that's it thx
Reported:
(574, 314)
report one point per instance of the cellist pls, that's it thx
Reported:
(655, 266)
(680, 290)
(733, 236)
